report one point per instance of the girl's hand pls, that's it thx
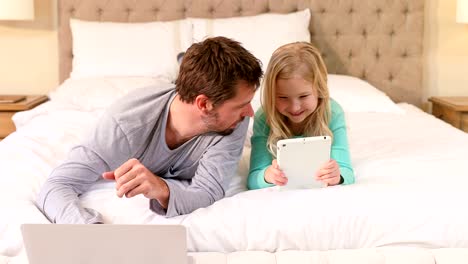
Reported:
(274, 175)
(329, 173)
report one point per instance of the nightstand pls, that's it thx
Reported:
(7, 110)
(453, 110)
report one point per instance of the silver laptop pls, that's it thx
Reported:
(105, 244)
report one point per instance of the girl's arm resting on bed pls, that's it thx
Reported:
(340, 146)
(260, 157)
(260, 160)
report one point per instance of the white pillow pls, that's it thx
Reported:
(91, 94)
(261, 34)
(356, 95)
(103, 49)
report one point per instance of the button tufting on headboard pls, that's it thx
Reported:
(406, 11)
(363, 75)
(337, 33)
(364, 33)
(368, 39)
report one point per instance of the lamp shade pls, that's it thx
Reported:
(16, 9)
(462, 11)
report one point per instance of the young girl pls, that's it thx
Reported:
(296, 103)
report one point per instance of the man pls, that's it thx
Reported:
(177, 147)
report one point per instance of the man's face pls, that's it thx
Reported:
(225, 117)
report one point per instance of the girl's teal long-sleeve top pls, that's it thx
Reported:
(261, 158)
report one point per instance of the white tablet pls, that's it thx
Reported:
(300, 158)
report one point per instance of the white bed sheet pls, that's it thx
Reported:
(410, 190)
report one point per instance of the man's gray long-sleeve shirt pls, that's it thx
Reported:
(197, 172)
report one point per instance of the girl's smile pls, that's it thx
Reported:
(297, 114)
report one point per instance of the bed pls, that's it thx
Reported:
(407, 205)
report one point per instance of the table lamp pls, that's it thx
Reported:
(462, 11)
(16, 9)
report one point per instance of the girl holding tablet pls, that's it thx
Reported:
(296, 103)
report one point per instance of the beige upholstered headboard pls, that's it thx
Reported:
(376, 40)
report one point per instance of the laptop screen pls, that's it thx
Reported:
(101, 244)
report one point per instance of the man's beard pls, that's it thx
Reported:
(211, 122)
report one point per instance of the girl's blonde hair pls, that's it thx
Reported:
(296, 59)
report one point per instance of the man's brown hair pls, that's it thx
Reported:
(214, 67)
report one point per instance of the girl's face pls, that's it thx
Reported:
(295, 98)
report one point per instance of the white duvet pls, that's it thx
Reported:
(411, 182)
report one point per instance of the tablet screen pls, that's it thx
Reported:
(300, 158)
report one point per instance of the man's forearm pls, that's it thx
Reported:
(182, 199)
(61, 205)
(163, 193)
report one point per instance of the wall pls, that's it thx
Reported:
(28, 52)
(446, 48)
(451, 49)
(29, 59)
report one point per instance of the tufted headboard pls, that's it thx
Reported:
(376, 40)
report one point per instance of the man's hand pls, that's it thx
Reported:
(133, 178)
